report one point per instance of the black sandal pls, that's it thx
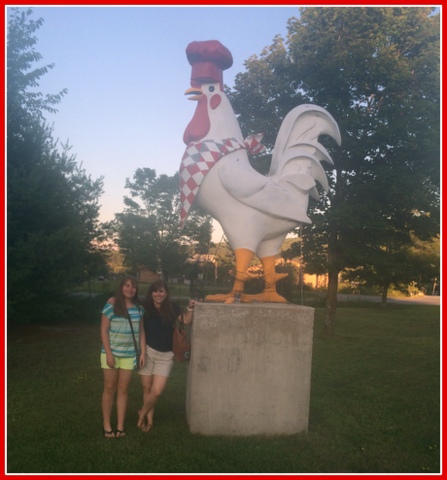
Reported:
(120, 433)
(108, 434)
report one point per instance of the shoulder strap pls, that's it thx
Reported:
(133, 333)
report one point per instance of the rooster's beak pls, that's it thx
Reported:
(196, 92)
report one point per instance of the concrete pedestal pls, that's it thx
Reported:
(250, 369)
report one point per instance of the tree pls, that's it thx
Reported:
(416, 264)
(148, 231)
(24, 105)
(385, 92)
(376, 70)
(52, 204)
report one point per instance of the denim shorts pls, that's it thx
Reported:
(157, 363)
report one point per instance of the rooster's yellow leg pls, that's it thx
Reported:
(270, 278)
(243, 259)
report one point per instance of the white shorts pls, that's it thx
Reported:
(157, 363)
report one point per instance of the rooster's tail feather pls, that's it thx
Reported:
(297, 145)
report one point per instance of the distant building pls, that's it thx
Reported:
(202, 259)
(146, 276)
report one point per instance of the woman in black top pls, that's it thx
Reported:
(159, 320)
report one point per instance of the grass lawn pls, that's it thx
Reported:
(374, 407)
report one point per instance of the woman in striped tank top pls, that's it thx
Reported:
(118, 351)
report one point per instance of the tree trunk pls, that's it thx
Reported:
(385, 295)
(331, 304)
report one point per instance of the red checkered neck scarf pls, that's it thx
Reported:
(198, 160)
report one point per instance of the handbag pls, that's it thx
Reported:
(181, 345)
(137, 351)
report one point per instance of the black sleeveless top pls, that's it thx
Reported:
(159, 331)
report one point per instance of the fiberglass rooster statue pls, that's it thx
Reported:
(255, 211)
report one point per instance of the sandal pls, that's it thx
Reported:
(121, 433)
(108, 434)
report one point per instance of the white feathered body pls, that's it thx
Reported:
(255, 211)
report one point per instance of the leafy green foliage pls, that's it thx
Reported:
(148, 231)
(24, 104)
(52, 209)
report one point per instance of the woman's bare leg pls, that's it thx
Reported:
(124, 377)
(153, 387)
(108, 394)
(146, 383)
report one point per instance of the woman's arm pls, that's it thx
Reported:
(105, 327)
(187, 318)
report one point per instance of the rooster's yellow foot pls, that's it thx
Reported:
(266, 296)
(275, 277)
(221, 297)
(218, 297)
(233, 297)
(244, 276)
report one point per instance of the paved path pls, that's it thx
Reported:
(418, 300)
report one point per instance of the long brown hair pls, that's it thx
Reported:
(166, 306)
(120, 308)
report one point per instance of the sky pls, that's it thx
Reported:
(126, 72)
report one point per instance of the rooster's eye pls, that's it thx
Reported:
(211, 89)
